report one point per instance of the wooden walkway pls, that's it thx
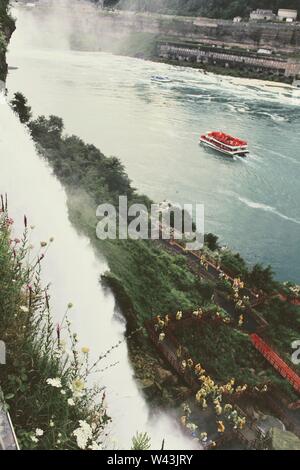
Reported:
(275, 360)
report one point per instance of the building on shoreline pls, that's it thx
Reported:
(287, 15)
(230, 59)
(262, 15)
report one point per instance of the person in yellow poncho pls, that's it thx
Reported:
(221, 427)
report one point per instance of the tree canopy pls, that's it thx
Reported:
(20, 106)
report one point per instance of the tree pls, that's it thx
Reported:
(262, 278)
(211, 241)
(20, 106)
(47, 130)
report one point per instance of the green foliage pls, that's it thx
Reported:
(234, 264)
(141, 441)
(7, 24)
(21, 108)
(206, 289)
(79, 164)
(224, 352)
(3, 44)
(262, 278)
(6, 28)
(45, 389)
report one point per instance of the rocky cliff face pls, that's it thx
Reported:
(7, 27)
(280, 36)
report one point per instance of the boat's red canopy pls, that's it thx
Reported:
(227, 139)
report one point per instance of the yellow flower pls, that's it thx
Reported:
(85, 350)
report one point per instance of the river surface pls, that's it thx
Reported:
(110, 101)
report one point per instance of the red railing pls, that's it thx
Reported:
(273, 358)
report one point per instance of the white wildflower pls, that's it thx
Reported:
(55, 382)
(24, 309)
(39, 432)
(71, 402)
(83, 433)
(77, 387)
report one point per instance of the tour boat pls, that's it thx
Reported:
(225, 143)
(160, 79)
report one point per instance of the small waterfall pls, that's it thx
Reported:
(73, 269)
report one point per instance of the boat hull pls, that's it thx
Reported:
(227, 153)
(160, 80)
